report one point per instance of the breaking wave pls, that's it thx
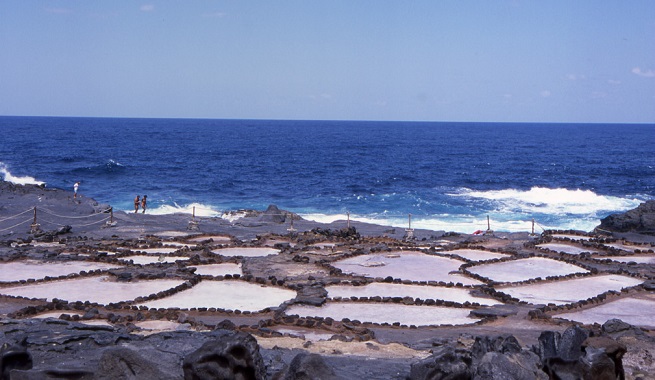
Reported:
(25, 180)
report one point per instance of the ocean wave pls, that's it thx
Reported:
(558, 201)
(459, 223)
(109, 167)
(198, 209)
(25, 180)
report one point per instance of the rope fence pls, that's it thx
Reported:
(54, 219)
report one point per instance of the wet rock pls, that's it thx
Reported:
(309, 367)
(639, 220)
(53, 373)
(234, 356)
(518, 365)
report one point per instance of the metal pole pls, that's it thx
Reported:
(410, 221)
(34, 214)
(488, 224)
(194, 212)
(348, 213)
(533, 226)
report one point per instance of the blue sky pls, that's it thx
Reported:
(518, 61)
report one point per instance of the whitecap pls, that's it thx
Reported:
(26, 180)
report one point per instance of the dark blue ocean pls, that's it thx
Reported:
(449, 176)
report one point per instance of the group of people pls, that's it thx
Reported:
(142, 201)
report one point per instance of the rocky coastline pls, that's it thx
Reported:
(45, 338)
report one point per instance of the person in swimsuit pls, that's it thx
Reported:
(144, 203)
(136, 204)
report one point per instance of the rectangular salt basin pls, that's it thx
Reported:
(218, 269)
(476, 254)
(569, 291)
(572, 237)
(101, 289)
(459, 295)
(628, 247)
(566, 248)
(245, 252)
(525, 269)
(33, 269)
(386, 312)
(161, 250)
(406, 265)
(228, 295)
(635, 311)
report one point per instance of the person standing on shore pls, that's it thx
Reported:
(75, 187)
(144, 203)
(136, 204)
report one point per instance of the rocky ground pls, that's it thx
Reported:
(82, 340)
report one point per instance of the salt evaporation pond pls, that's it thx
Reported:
(635, 311)
(406, 265)
(566, 248)
(145, 260)
(100, 289)
(246, 252)
(386, 313)
(24, 270)
(216, 239)
(218, 269)
(381, 289)
(477, 254)
(525, 269)
(228, 295)
(569, 291)
(639, 259)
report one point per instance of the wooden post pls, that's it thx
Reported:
(194, 213)
(35, 227)
(348, 213)
(410, 230)
(488, 224)
(111, 215)
(533, 226)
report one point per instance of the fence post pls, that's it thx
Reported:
(410, 230)
(193, 224)
(35, 227)
(348, 213)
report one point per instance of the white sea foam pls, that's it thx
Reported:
(200, 210)
(551, 201)
(26, 180)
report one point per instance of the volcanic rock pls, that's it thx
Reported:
(639, 220)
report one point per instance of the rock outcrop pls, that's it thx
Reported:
(639, 220)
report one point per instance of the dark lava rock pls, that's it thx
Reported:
(575, 355)
(273, 214)
(639, 220)
(314, 295)
(234, 356)
(125, 363)
(13, 357)
(447, 363)
(495, 311)
(309, 367)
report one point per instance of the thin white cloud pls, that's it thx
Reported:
(147, 8)
(614, 81)
(643, 73)
(571, 77)
(545, 93)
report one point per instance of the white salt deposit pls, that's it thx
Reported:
(305, 333)
(178, 244)
(569, 291)
(102, 289)
(218, 269)
(459, 295)
(525, 269)
(477, 254)
(23, 270)
(386, 312)
(245, 252)
(233, 295)
(566, 248)
(406, 265)
(145, 260)
(638, 312)
(172, 234)
(639, 259)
